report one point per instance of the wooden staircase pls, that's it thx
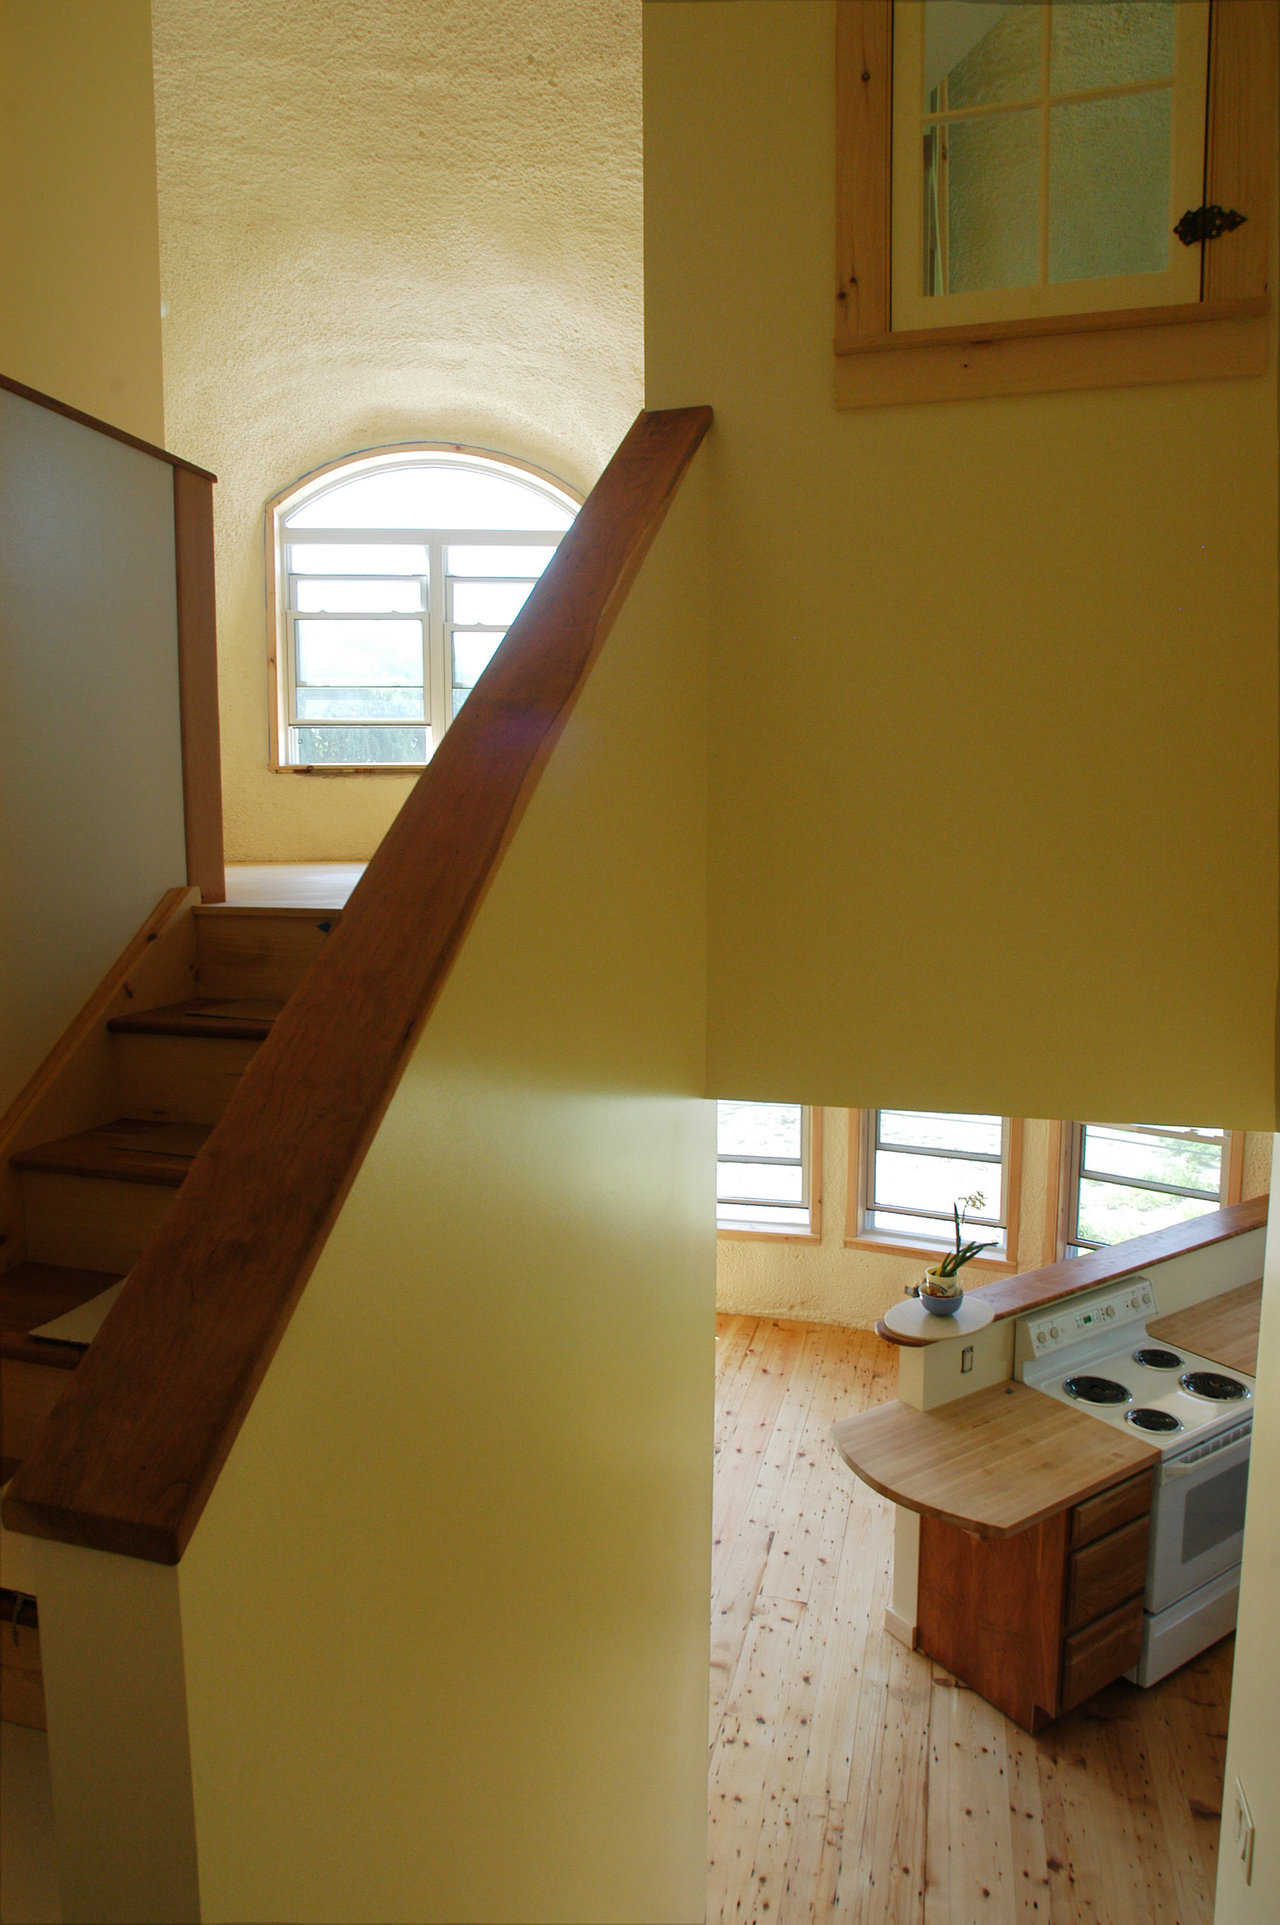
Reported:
(143, 1082)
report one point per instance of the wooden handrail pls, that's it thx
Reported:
(21, 389)
(132, 1451)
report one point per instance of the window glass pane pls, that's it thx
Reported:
(355, 704)
(359, 652)
(1153, 1159)
(472, 654)
(943, 1130)
(759, 1129)
(1111, 1213)
(360, 745)
(983, 176)
(935, 1230)
(370, 596)
(1109, 166)
(442, 495)
(1097, 43)
(468, 560)
(934, 1183)
(780, 1182)
(981, 50)
(764, 1216)
(357, 558)
(488, 602)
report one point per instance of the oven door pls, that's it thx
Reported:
(1197, 1517)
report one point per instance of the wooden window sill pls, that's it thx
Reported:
(768, 1236)
(1206, 341)
(348, 768)
(988, 1267)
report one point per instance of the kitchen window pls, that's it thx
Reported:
(907, 1167)
(394, 578)
(1009, 174)
(1125, 1179)
(768, 1169)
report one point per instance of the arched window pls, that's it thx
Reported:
(395, 577)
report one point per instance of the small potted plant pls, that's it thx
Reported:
(939, 1289)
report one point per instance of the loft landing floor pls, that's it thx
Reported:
(853, 1780)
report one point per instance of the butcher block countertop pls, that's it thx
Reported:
(1224, 1329)
(992, 1463)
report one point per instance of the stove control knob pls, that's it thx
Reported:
(1055, 1332)
(1108, 1310)
(1041, 1336)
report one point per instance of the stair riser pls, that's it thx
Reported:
(90, 1223)
(256, 953)
(178, 1078)
(21, 1684)
(28, 1393)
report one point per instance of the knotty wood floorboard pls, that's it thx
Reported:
(852, 1780)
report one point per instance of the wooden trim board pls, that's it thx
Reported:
(100, 427)
(198, 682)
(1010, 1296)
(129, 1458)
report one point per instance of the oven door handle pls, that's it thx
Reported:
(1218, 1459)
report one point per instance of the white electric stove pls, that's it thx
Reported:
(1093, 1352)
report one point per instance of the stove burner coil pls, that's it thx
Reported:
(1213, 1386)
(1096, 1390)
(1152, 1420)
(1153, 1359)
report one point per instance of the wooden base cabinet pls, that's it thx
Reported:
(1039, 1621)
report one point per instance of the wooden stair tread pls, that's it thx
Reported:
(238, 1018)
(129, 1150)
(34, 1293)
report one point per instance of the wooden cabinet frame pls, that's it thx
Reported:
(1223, 334)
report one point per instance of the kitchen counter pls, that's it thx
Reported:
(1224, 1329)
(992, 1463)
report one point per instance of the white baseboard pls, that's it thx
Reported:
(900, 1628)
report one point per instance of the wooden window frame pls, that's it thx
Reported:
(857, 1237)
(812, 1153)
(1071, 1136)
(436, 618)
(1225, 333)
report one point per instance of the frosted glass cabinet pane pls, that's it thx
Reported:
(1099, 44)
(982, 204)
(1109, 187)
(981, 51)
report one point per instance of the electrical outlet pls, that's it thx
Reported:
(966, 1360)
(1242, 1830)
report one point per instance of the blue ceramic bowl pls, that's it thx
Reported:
(942, 1306)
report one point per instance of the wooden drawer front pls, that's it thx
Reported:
(1111, 1508)
(1098, 1655)
(1104, 1574)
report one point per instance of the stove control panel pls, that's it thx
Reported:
(1070, 1323)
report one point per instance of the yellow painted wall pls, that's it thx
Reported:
(80, 291)
(418, 220)
(994, 682)
(444, 1618)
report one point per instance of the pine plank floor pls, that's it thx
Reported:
(851, 1779)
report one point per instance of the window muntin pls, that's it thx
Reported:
(764, 1168)
(397, 576)
(1126, 1179)
(915, 1163)
(1060, 144)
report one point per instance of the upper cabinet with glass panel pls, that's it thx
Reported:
(1010, 173)
(1042, 154)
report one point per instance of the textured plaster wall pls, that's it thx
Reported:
(415, 220)
(824, 1282)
